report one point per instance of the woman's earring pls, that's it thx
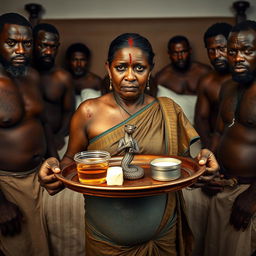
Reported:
(110, 84)
(148, 86)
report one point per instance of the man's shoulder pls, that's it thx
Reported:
(33, 74)
(5, 81)
(60, 71)
(94, 76)
(91, 77)
(90, 81)
(228, 86)
(201, 66)
(61, 75)
(230, 83)
(3, 74)
(214, 77)
(164, 74)
(207, 79)
(165, 70)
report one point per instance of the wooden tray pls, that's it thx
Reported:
(190, 171)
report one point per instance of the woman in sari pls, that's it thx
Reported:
(154, 225)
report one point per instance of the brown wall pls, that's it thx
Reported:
(98, 33)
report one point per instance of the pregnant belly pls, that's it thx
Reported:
(125, 221)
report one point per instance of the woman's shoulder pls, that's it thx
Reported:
(167, 102)
(149, 99)
(96, 104)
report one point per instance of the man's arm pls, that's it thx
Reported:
(68, 108)
(51, 148)
(78, 141)
(202, 114)
(220, 125)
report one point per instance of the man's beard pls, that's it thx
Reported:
(245, 77)
(79, 72)
(221, 66)
(15, 71)
(18, 71)
(43, 65)
(182, 65)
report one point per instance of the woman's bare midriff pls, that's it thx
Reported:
(126, 221)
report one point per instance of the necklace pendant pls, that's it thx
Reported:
(233, 122)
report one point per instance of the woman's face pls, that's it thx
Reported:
(129, 72)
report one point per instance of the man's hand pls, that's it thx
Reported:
(211, 185)
(10, 218)
(244, 208)
(47, 178)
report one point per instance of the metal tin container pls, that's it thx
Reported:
(165, 169)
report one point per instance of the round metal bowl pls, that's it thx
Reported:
(165, 169)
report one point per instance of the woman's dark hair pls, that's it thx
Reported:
(131, 40)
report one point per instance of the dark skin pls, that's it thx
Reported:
(56, 87)
(235, 135)
(129, 72)
(95, 116)
(206, 110)
(181, 75)
(82, 77)
(22, 128)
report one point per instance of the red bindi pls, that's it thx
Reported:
(130, 57)
(130, 42)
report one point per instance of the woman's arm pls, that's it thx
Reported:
(78, 141)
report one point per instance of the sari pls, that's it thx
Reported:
(162, 129)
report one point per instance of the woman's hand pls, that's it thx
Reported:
(211, 181)
(206, 157)
(47, 178)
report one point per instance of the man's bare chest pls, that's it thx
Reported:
(18, 103)
(52, 88)
(241, 107)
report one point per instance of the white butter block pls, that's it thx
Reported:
(115, 175)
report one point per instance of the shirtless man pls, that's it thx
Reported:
(226, 218)
(237, 120)
(55, 82)
(207, 106)
(78, 58)
(22, 140)
(182, 74)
